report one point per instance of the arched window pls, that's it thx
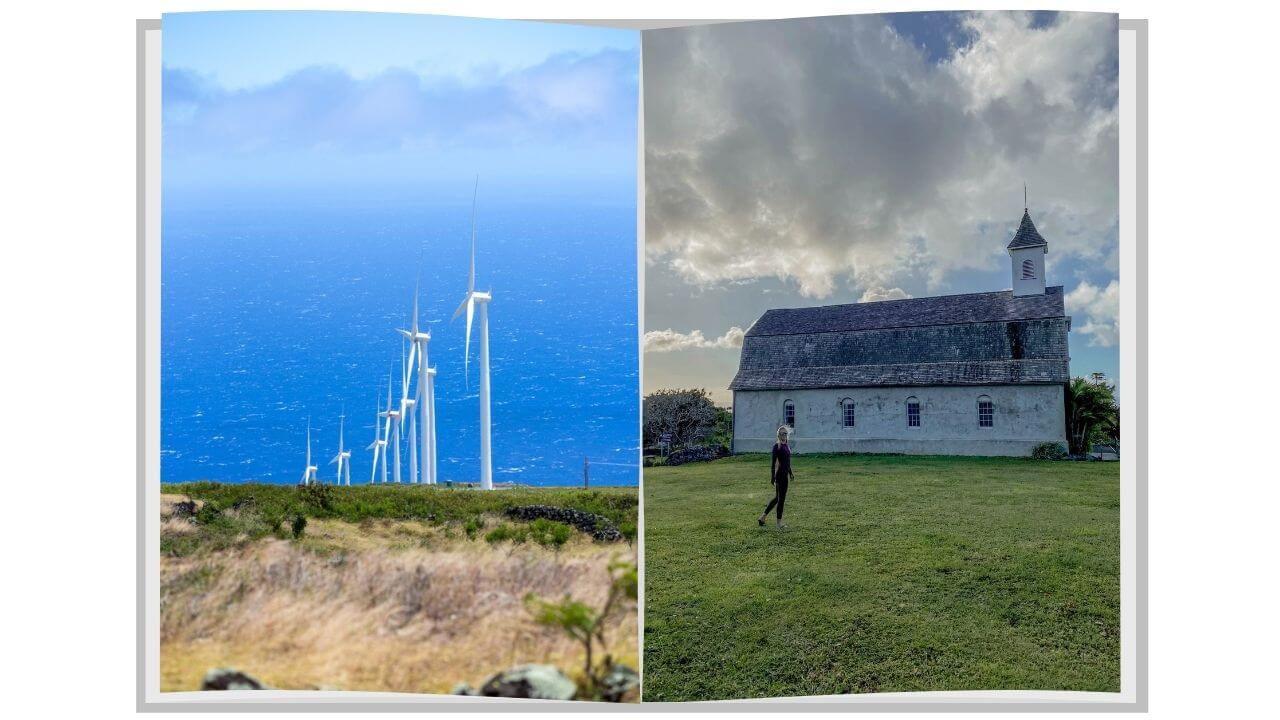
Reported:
(986, 412)
(789, 414)
(1028, 269)
(913, 412)
(848, 412)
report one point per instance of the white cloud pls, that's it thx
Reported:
(1101, 308)
(823, 151)
(875, 294)
(670, 341)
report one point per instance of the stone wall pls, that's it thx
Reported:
(1024, 416)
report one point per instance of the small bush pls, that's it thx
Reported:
(471, 527)
(505, 533)
(299, 526)
(1049, 451)
(208, 514)
(549, 533)
(317, 496)
(628, 530)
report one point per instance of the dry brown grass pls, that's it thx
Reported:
(384, 605)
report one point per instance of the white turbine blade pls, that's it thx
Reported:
(415, 307)
(471, 276)
(335, 458)
(466, 349)
(461, 306)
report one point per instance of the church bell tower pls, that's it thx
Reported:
(1027, 252)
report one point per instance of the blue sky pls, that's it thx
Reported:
(846, 159)
(278, 101)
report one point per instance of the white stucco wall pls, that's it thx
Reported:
(1024, 416)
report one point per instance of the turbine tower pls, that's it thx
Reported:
(406, 410)
(343, 458)
(429, 435)
(424, 395)
(482, 299)
(378, 446)
(392, 429)
(309, 475)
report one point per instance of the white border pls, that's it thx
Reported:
(1129, 698)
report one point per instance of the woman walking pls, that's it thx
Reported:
(779, 474)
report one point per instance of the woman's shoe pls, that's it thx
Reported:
(760, 520)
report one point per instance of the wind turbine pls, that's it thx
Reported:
(309, 475)
(406, 410)
(343, 458)
(392, 429)
(379, 447)
(482, 299)
(393, 419)
(424, 395)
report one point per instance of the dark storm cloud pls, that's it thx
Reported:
(829, 149)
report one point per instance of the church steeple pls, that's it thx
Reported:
(1027, 253)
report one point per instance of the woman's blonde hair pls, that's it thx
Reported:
(783, 433)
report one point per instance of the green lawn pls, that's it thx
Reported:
(896, 574)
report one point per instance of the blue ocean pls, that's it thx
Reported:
(275, 313)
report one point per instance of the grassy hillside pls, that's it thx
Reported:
(233, 513)
(896, 574)
(401, 588)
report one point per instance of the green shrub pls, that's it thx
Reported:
(1049, 451)
(586, 624)
(628, 530)
(299, 526)
(549, 533)
(506, 533)
(317, 496)
(471, 527)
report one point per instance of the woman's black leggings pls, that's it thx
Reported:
(780, 496)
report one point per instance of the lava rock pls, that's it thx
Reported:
(230, 679)
(541, 682)
(619, 681)
(697, 453)
(597, 526)
(184, 509)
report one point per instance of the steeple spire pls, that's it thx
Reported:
(1027, 251)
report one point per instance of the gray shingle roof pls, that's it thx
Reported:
(999, 306)
(1027, 235)
(992, 372)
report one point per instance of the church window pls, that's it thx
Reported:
(789, 414)
(1028, 269)
(913, 412)
(847, 410)
(986, 412)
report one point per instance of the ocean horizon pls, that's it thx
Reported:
(276, 312)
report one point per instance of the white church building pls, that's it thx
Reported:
(975, 374)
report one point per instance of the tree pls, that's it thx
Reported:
(689, 415)
(586, 625)
(1092, 413)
